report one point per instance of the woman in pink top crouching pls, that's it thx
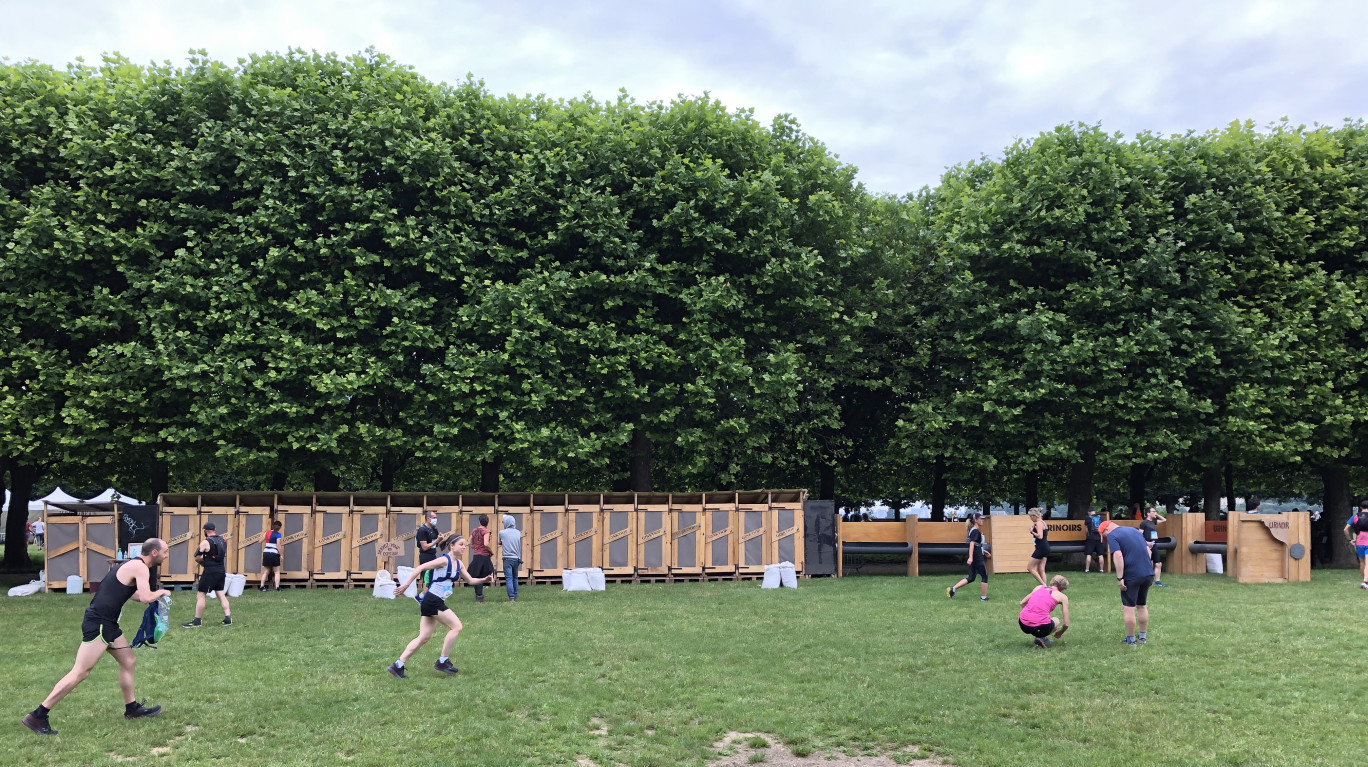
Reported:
(1036, 608)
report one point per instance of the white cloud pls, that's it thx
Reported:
(901, 89)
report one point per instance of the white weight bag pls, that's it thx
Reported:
(596, 580)
(574, 580)
(773, 578)
(788, 575)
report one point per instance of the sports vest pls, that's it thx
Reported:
(444, 579)
(268, 543)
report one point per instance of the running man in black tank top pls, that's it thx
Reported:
(213, 575)
(100, 633)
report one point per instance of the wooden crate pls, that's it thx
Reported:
(756, 527)
(1011, 543)
(404, 519)
(787, 541)
(1260, 544)
(550, 540)
(584, 525)
(249, 525)
(223, 517)
(331, 555)
(180, 528)
(78, 545)
(619, 529)
(653, 533)
(1185, 529)
(296, 520)
(720, 539)
(369, 526)
(686, 534)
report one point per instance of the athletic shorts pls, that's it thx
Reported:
(1042, 550)
(93, 627)
(1156, 556)
(432, 605)
(270, 560)
(1042, 631)
(1136, 592)
(211, 580)
(1361, 551)
(1093, 548)
(977, 569)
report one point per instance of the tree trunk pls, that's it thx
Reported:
(279, 481)
(1081, 483)
(639, 466)
(1139, 475)
(938, 490)
(22, 479)
(827, 481)
(1032, 489)
(987, 508)
(1230, 487)
(490, 474)
(1338, 508)
(388, 468)
(325, 481)
(159, 478)
(1211, 491)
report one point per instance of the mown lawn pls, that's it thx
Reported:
(655, 674)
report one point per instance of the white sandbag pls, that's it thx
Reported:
(1215, 564)
(234, 584)
(74, 584)
(773, 579)
(596, 580)
(402, 573)
(384, 586)
(574, 580)
(788, 575)
(28, 589)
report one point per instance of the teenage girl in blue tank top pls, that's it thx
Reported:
(446, 571)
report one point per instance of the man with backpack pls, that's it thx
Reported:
(213, 575)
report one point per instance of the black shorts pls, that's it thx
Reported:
(1041, 631)
(211, 580)
(432, 605)
(1042, 550)
(977, 569)
(93, 627)
(1092, 547)
(481, 566)
(270, 560)
(1136, 592)
(1156, 556)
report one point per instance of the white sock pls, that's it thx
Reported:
(443, 659)
(399, 664)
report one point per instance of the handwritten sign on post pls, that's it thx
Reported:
(389, 549)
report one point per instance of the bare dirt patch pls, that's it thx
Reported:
(741, 749)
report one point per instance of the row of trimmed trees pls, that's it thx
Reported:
(309, 271)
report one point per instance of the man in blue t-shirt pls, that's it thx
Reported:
(1134, 574)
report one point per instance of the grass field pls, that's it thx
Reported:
(654, 675)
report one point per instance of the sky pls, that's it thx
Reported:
(901, 90)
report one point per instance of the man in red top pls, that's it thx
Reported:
(481, 556)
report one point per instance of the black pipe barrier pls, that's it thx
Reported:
(1206, 547)
(960, 549)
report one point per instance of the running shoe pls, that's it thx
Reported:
(950, 592)
(1160, 584)
(1041, 643)
(143, 710)
(397, 672)
(39, 726)
(1130, 642)
(227, 620)
(984, 599)
(1139, 640)
(194, 624)
(445, 667)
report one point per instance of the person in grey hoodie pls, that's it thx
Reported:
(510, 542)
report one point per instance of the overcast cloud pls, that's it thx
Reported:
(902, 90)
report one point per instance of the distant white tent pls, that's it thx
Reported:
(56, 496)
(114, 495)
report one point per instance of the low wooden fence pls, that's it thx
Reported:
(336, 539)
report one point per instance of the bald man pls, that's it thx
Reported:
(100, 634)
